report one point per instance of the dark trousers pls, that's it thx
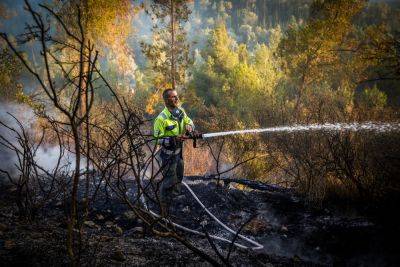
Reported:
(172, 171)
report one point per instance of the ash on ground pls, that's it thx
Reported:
(292, 233)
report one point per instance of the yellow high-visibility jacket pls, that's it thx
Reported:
(166, 126)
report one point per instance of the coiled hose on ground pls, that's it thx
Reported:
(256, 244)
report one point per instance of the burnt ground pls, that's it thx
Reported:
(293, 234)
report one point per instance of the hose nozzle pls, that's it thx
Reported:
(195, 136)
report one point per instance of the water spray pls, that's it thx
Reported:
(327, 127)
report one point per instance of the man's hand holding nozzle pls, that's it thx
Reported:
(190, 133)
(189, 129)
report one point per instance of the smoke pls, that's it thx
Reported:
(47, 158)
(46, 155)
(8, 158)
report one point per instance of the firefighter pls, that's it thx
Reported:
(171, 128)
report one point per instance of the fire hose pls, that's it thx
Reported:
(255, 247)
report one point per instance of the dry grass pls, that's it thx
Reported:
(198, 161)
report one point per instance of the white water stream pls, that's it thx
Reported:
(327, 127)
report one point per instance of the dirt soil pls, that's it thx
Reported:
(292, 233)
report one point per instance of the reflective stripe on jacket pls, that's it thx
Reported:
(166, 126)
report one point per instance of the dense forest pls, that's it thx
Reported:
(268, 63)
(81, 82)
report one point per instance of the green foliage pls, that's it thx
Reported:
(109, 21)
(10, 71)
(380, 51)
(221, 49)
(267, 66)
(373, 98)
(108, 26)
(237, 79)
(312, 71)
(248, 17)
(318, 52)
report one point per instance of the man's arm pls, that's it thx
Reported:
(189, 125)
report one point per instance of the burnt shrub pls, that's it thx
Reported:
(351, 166)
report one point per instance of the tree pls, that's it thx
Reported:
(109, 24)
(169, 52)
(221, 48)
(311, 53)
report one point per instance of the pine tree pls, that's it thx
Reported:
(169, 52)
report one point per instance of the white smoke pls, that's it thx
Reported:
(8, 158)
(46, 155)
(47, 158)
